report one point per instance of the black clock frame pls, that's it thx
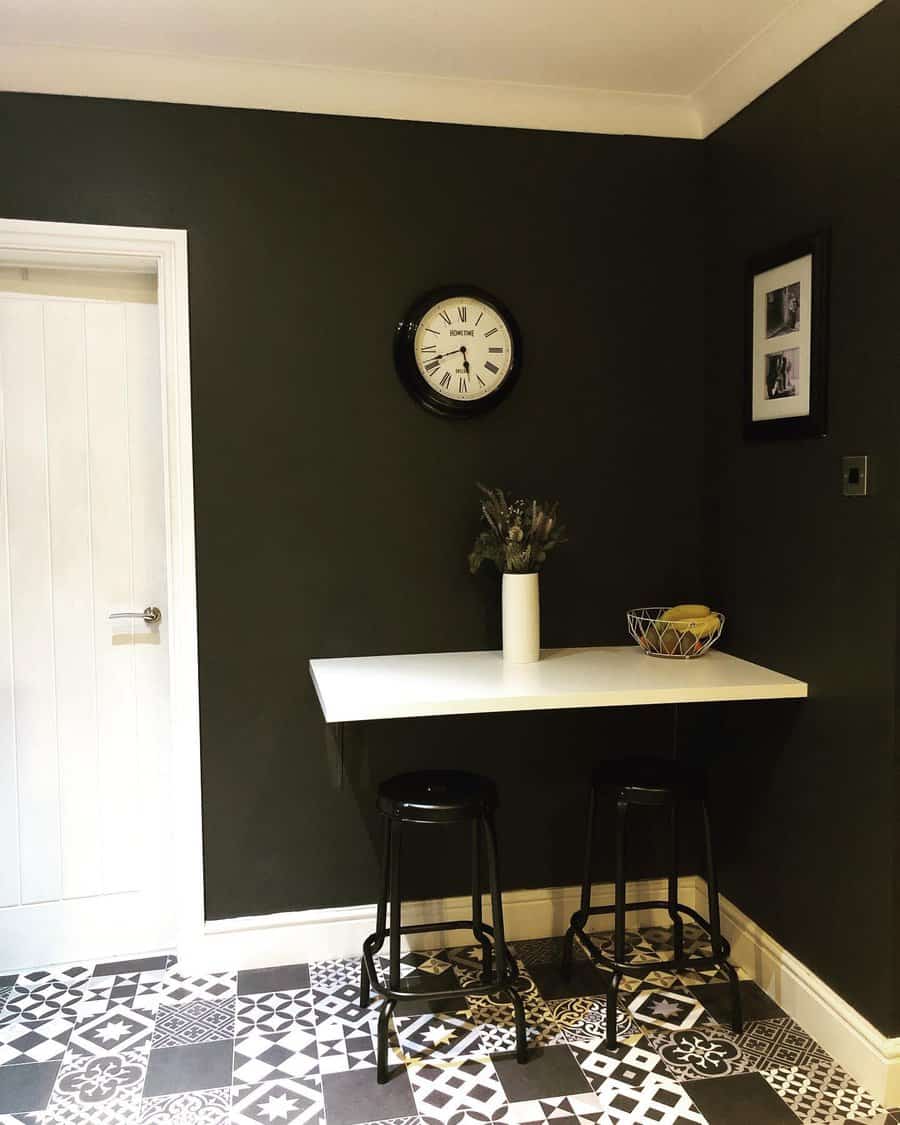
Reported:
(408, 369)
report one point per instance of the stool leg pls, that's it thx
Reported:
(394, 977)
(477, 927)
(612, 992)
(715, 928)
(380, 917)
(581, 915)
(621, 814)
(384, 1018)
(500, 952)
(612, 1007)
(677, 922)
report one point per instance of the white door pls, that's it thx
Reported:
(85, 824)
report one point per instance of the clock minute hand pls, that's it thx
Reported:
(455, 350)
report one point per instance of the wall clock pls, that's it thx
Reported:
(458, 351)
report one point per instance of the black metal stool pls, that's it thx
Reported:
(439, 797)
(662, 783)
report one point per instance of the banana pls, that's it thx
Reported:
(700, 626)
(685, 612)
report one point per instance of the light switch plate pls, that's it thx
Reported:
(855, 475)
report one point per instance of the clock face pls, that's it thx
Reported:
(457, 351)
(463, 348)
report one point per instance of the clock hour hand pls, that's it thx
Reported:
(465, 360)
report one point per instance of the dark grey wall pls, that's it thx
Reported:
(807, 577)
(333, 514)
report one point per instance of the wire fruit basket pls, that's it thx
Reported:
(682, 639)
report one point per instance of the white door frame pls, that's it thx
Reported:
(164, 252)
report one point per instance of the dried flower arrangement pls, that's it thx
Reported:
(518, 535)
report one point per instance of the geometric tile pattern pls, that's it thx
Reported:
(179, 989)
(270, 1058)
(273, 1012)
(116, 1030)
(142, 1043)
(822, 1092)
(287, 1102)
(196, 1107)
(38, 1041)
(197, 1021)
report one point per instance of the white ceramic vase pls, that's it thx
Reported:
(521, 618)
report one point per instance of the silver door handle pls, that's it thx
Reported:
(151, 615)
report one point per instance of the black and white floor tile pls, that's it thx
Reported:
(141, 1043)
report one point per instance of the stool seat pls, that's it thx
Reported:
(436, 796)
(650, 781)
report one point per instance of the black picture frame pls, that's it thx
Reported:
(407, 368)
(765, 344)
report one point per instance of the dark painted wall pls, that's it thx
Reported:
(807, 577)
(333, 514)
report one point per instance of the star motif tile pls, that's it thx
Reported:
(34, 1041)
(200, 1107)
(269, 1058)
(273, 1012)
(674, 1011)
(197, 1021)
(444, 1035)
(286, 1102)
(116, 1030)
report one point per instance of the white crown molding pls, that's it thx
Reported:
(781, 46)
(786, 42)
(204, 80)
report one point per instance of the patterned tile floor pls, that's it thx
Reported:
(139, 1043)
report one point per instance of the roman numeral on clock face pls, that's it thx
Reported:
(463, 385)
(445, 316)
(491, 367)
(462, 314)
(432, 364)
(493, 351)
(429, 348)
(490, 332)
(445, 379)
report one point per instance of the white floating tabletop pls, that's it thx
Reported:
(356, 688)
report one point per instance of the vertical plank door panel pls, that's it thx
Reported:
(9, 783)
(145, 427)
(73, 608)
(120, 779)
(25, 434)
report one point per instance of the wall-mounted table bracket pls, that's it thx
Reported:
(334, 749)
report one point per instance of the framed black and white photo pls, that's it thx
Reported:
(787, 302)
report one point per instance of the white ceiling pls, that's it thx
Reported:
(666, 67)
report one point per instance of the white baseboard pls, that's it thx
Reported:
(871, 1058)
(273, 939)
(307, 935)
